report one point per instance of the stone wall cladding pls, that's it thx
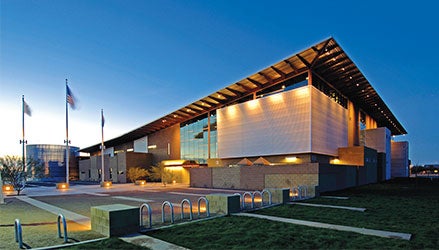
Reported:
(226, 177)
(201, 177)
(255, 177)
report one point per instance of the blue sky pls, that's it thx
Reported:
(139, 60)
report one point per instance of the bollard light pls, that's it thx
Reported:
(62, 185)
(8, 188)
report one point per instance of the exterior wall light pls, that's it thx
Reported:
(291, 159)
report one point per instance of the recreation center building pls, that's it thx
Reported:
(312, 119)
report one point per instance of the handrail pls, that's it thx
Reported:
(182, 208)
(252, 198)
(60, 216)
(18, 233)
(163, 211)
(270, 198)
(207, 206)
(148, 207)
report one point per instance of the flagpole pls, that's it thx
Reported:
(102, 146)
(67, 136)
(22, 130)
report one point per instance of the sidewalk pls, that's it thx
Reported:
(380, 233)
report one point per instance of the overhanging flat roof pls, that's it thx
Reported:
(326, 60)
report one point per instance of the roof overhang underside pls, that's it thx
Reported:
(326, 60)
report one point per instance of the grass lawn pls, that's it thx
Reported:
(407, 206)
(38, 226)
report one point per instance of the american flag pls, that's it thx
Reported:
(70, 98)
(103, 119)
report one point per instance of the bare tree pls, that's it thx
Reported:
(14, 172)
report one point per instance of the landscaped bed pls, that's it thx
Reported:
(38, 226)
(407, 206)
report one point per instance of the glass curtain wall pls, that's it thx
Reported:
(194, 139)
(53, 157)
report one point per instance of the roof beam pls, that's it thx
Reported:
(235, 92)
(278, 71)
(319, 52)
(217, 100)
(225, 95)
(243, 86)
(210, 103)
(266, 77)
(200, 106)
(291, 66)
(326, 59)
(307, 64)
(255, 82)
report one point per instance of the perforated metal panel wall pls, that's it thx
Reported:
(281, 124)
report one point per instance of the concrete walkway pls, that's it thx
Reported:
(359, 209)
(150, 242)
(80, 219)
(379, 233)
(336, 197)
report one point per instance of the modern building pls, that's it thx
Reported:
(311, 119)
(54, 157)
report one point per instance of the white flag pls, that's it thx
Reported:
(27, 109)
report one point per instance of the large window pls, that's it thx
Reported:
(194, 139)
(332, 93)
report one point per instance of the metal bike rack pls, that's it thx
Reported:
(295, 193)
(18, 233)
(270, 199)
(207, 206)
(182, 208)
(303, 191)
(252, 198)
(163, 211)
(148, 208)
(240, 199)
(61, 217)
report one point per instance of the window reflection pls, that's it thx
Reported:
(194, 139)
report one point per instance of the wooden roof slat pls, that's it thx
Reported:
(319, 58)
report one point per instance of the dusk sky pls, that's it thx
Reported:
(140, 60)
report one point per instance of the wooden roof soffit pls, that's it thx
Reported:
(266, 77)
(295, 70)
(319, 52)
(278, 71)
(258, 84)
(304, 61)
(244, 87)
(235, 92)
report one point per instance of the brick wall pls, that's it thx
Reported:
(201, 177)
(161, 139)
